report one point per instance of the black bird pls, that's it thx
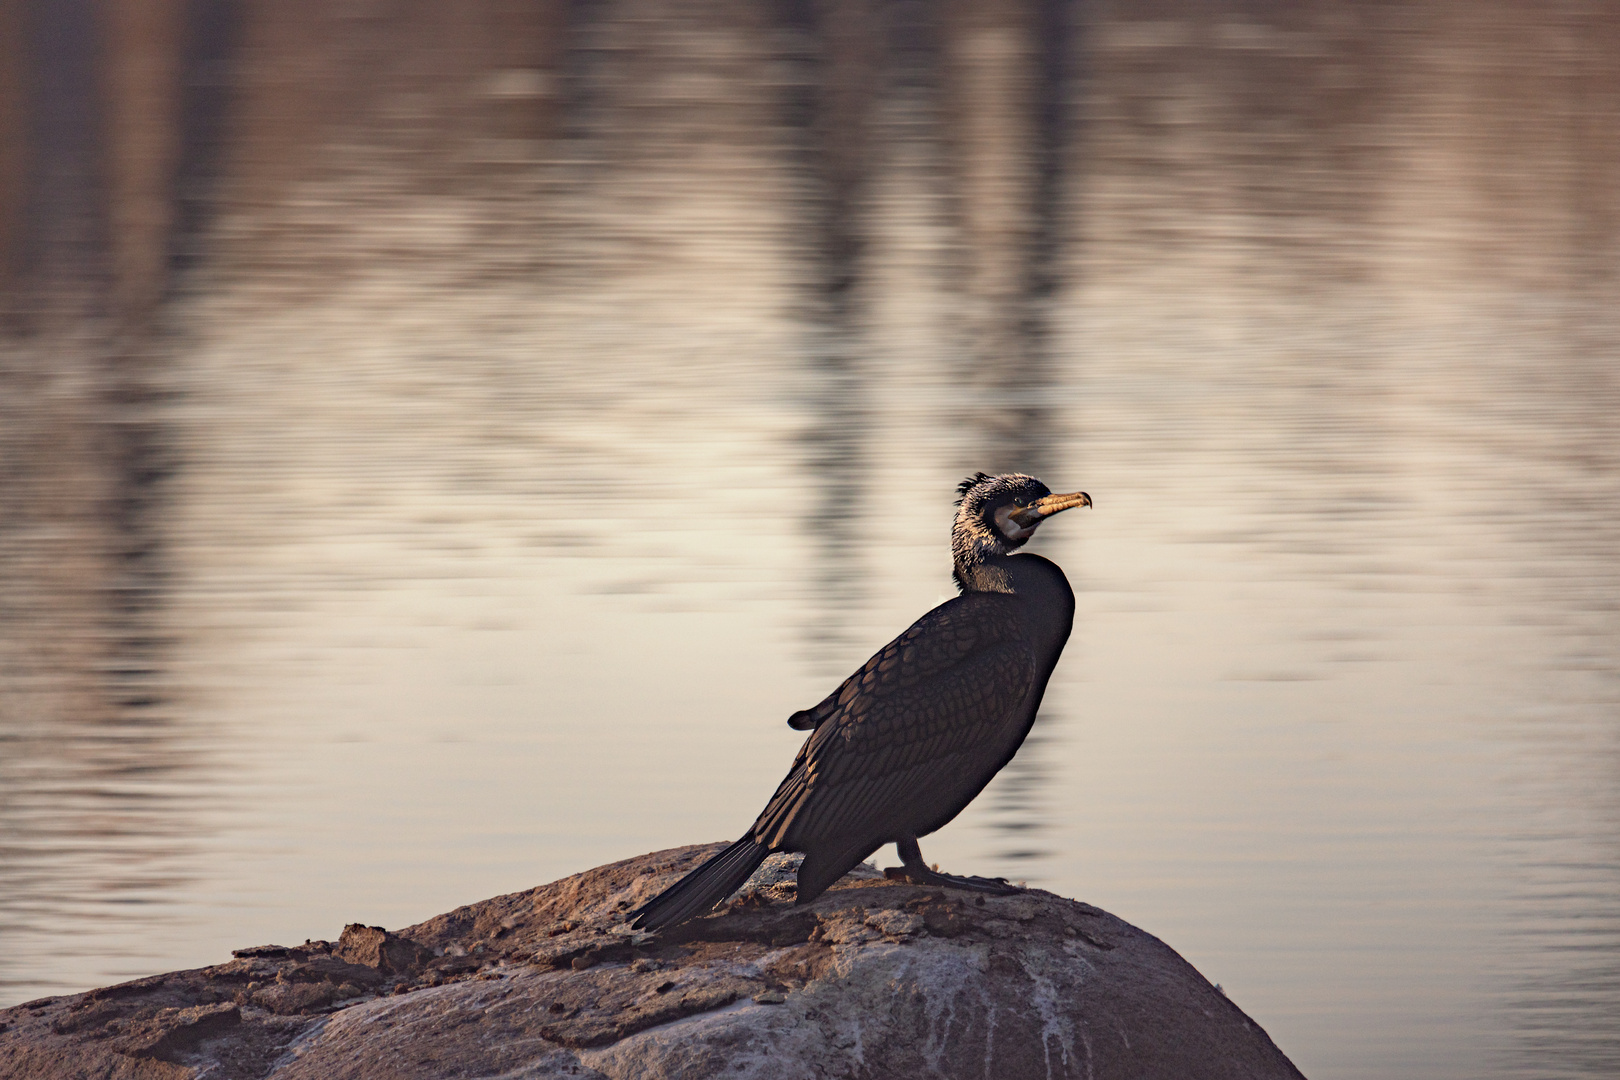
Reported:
(908, 740)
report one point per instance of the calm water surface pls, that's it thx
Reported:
(527, 478)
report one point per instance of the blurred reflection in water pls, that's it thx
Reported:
(830, 56)
(102, 796)
(440, 451)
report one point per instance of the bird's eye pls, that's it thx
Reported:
(1020, 500)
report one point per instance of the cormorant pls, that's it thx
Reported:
(908, 740)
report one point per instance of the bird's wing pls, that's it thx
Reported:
(933, 693)
(936, 641)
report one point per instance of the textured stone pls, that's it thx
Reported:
(374, 947)
(875, 979)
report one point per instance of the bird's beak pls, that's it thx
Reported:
(1041, 509)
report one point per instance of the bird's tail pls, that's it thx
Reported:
(703, 888)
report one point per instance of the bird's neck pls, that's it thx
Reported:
(986, 573)
(981, 561)
(1047, 601)
(1021, 575)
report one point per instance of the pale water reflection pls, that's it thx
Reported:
(532, 468)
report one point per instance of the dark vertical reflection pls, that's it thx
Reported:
(1006, 83)
(15, 161)
(213, 30)
(1004, 73)
(834, 48)
(579, 66)
(64, 239)
(98, 805)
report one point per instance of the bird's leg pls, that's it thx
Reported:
(916, 871)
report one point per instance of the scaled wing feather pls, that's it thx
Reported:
(904, 722)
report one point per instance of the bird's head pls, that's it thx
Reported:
(997, 514)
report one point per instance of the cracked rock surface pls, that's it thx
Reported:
(875, 979)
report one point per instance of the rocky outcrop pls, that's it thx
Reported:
(875, 979)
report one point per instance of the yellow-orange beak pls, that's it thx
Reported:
(1037, 511)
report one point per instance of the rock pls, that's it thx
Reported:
(173, 1032)
(374, 947)
(875, 979)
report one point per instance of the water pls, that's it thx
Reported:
(523, 442)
